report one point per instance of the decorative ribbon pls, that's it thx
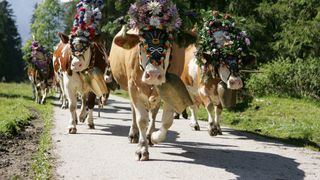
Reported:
(153, 50)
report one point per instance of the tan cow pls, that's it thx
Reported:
(82, 73)
(138, 74)
(206, 92)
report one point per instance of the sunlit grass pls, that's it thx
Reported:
(17, 109)
(292, 120)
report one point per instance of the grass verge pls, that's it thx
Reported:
(294, 121)
(17, 109)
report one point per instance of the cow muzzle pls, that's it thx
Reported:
(153, 75)
(77, 65)
(234, 83)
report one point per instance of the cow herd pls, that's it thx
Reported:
(148, 63)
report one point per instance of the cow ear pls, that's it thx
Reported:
(127, 42)
(64, 38)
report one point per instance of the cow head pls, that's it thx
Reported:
(228, 71)
(228, 67)
(81, 53)
(155, 46)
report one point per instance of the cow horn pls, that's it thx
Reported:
(124, 30)
(174, 92)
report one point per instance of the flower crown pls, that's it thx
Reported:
(221, 40)
(156, 13)
(86, 22)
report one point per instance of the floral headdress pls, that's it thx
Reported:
(86, 23)
(221, 40)
(159, 14)
(39, 61)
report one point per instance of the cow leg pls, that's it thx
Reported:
(38, 94)
(91, 102)
(83, 109)
(217, 118)
(152, 126)
(71, 93)
(72, 97)
(214, 113)
(63, 94)
(193, 119)
(44, 95)
(133, 133)
(166, 120)
(142, 118)
(33, 90)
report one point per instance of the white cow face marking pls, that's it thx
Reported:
(229, 73)
(81, 62)
(155, 51)
(81, 54)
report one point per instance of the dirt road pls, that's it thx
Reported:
(105, 153)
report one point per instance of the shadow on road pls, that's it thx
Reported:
(244, 164)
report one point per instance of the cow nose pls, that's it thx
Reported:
(235, 83)
(153, 75)
(77, 65)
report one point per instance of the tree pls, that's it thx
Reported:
(69, 11)
(47, 22)
(11, 64)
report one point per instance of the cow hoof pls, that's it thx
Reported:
(176, 116)
(82, 119)
(91, 126)
(72, 130)
(149, 140)
(195, 127)
(133, 139)
(214, 132)
(185, 115)
(142, 156)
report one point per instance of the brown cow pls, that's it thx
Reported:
(40, 72)
(206, 92)
(136, 73)
(82, 73)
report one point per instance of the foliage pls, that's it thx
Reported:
(47, 23)
(283, 77)
(294, 25)
(11, 64)
(69, 12)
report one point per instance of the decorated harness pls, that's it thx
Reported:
(156, 21)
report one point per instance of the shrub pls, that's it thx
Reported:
(283, 77)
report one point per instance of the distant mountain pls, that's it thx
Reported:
(23, 11)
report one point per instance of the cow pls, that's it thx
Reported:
(206, 92)
(40, 73)
(82, 72)
(140, 76)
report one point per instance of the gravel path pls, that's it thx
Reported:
(105, 152)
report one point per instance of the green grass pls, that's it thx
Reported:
(16, 110)
(121, 93)
(294, 121)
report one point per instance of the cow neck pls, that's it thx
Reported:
(92, 59)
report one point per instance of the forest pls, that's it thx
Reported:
(284, 35)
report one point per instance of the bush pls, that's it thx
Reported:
(283, 77)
